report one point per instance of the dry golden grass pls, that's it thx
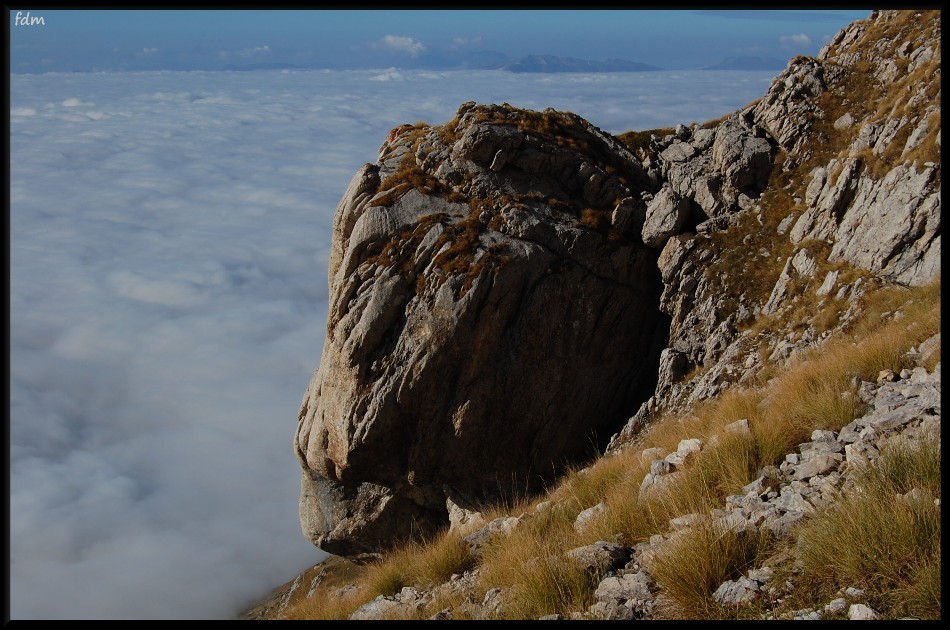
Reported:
(929, 148)
(808, 396)
(595, 220)
(783, 412)
(640, 140)
(333, 599)
(584, 488)
(875, 540)
(326, 604)
(530, 562)
(738, 268)
(696, 561)
(419, 564)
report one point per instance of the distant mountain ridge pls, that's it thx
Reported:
(748, 63)
(492, 60)
(551, 63)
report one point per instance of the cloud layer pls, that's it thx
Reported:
(169, 245)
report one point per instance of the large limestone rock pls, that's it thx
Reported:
(889, 226)
(490, 320)
(665, 217)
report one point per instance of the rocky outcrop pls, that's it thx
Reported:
(878, 200)
(489, 293)
(889, 226)
(719, 170)
(860, 187)
(511, 288)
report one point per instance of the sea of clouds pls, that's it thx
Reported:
(169, 236)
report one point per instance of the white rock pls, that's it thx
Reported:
(582, 522)
(862, 612)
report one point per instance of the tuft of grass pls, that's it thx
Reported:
(876, 540)
(692, 565)
(420, 564)
(809, 397)
(726, 467)
(588, 487)
(596, 220)
(552, 585)
(530, 565)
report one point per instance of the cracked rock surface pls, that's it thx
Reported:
(493, 316)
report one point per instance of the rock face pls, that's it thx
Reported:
(493, 316)
(855, 183)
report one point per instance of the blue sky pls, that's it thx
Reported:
(200, 39)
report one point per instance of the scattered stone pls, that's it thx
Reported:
(836, 606)
(739, 427)
(785, 224)
(601, 556)
(862, 611)
(736, 592)
(583, 520)
(844, 121)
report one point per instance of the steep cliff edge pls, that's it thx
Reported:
(507, 289)
(493, 316)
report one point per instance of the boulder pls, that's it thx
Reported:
(666, 214)
(487, 324)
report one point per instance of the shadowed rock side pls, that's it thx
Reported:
(493, 316)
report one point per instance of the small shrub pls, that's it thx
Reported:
(596, 220)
